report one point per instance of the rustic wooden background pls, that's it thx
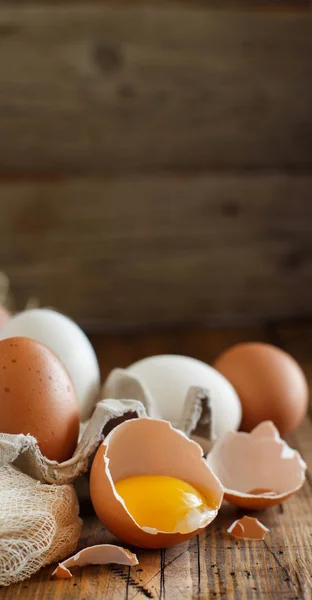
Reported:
(155, 159)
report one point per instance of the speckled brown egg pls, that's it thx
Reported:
(37, 397)
(270, 384)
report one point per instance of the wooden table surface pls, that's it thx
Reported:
(213, 564)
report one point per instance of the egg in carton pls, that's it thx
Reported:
(188, 393)
(23, 451)
(68, 342)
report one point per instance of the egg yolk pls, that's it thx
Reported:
(165, 503)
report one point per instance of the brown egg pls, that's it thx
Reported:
(37, 397)
(270, 383)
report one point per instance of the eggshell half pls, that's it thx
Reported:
(270, 383)
(257, 469)
(37, 397)
(69, 343)
(163, 382)
(248, 528)
(102, 554)
(147, 447)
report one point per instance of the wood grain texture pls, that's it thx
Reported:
(295, 5)
(168, 249)
(105, 89)
(212, 566)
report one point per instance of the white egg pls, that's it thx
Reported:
(163, 384)
(69, 343)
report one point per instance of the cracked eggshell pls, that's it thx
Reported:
(147, 447)
(257, 469)
(248, 528)
(163, 382)
(69, 343)
(102, 554)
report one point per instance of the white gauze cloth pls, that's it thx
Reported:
(39, 522)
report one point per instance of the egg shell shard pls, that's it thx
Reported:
(102, 554)
(259, 460)
(69, 343)
(147, 447)
(248, 528)
(162, 383)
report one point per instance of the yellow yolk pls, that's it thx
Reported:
(165, 503)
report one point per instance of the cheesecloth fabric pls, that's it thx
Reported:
(39, 522)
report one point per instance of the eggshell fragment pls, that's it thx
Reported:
(102, 554)
(270, 383)
(257, 469)
(69, 343)
(147, 447)
(163, 382)
(248, 528)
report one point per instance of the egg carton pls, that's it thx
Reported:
(23, 451)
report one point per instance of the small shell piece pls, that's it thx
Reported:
(248, 528)
(148, 447)
(257, 469)
(102, 554)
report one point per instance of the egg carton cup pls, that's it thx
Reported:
(23, 451)
(196, 419)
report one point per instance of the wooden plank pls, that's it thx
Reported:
(213, 566)
(279, 569)
(295, 5)
(139, 88)
(168, 249)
